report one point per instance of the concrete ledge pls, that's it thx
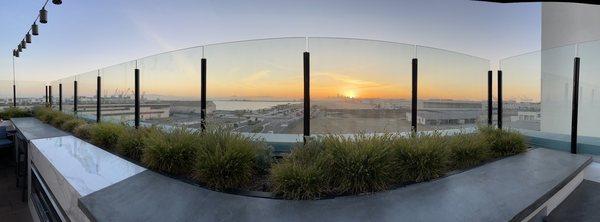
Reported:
(509, 189)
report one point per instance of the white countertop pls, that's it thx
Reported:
(86, 167)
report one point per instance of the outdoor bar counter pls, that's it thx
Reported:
(63, 168)
(84, 182)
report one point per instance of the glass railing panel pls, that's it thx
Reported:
(360, 86)
(6, 94)
(170, 88)
(589, 89)
(521, 91)
(86, 95)
(117, 93)
(68, 94)
(30, 93)
(452, 90)
(557, 89)
(54, 95)
(256, 86)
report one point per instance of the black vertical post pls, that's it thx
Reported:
(98, 90)
(489, 102)
(413, 113)
(499, 99)
(50, 96)
(75, 97)
(306, 112)
(14, 95)
(203, 94)
(60, 97)
(137, 98)
(46, 101)
(575, 107)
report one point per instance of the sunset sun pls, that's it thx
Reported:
(350, 94)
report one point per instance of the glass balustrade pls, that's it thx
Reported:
(452, 90)
(256, 87)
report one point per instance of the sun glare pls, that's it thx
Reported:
(350, 94)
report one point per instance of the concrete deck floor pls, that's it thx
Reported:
(584, 202)
(11, 206)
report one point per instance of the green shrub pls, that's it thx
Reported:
(71, 124)
(420, 157)
(174, 152)
(263, 159)
(59, 119)
(14, 112)
(467, 150)
(106, 135)
(83, 131)
(44, 114)
(226, 159)
(299, 182)
(131, 142)
(359, 164)
(300, 174)
(503, 142)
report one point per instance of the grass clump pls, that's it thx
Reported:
(503, 142)
(44, 114)
(174, 152)
(467, 150)
(59, 119)
(228, 160)
(71, 124)
(14, 112)
(83, 131)
(106, 134)
(359, 164)
(300, 175)
(335, 165)
(420, 157)
(131, 142)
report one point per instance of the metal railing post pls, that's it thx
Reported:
(98, 99)
(137, 98)
(50, 96)
(75, 97)
(490, 112)
(60, 97)
(413, 113)
(575, 106)
(14, 95)
(306, 62)
(499, 99)
(203, 94)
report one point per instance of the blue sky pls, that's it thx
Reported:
(84, 35)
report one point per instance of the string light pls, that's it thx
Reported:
(42, 17)
(34, 29)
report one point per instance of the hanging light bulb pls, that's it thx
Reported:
(23, 44)
(28, 38)
(43, 16)
(34, 29)
(57, 2)
(20, 48)
(16, 53)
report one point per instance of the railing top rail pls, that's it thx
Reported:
(291, 37)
